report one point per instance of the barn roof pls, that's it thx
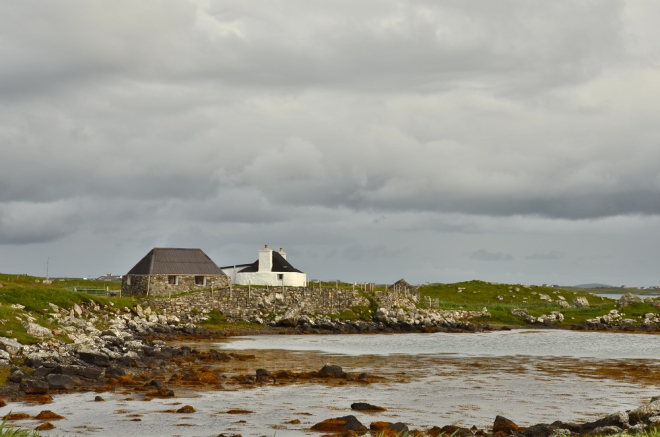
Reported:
(170, 261)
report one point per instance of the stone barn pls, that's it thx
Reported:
(165, 271)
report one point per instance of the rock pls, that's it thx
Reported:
(45, 427)
(263, 374)
(60, 382)
(644, 413)
(187, 409)
(238, 411)
(155, 383)
(605, 430)
(521, 312)
(619, 419)
(389, 428)
(363, 406)
(34, 387)
(544, 430)
(16, 416)
(98, 399)
(580, 302)
(504, 425)
(95, 358)
(629, 298)
(82, 371)
(3, 403)
(332, 371)
(339, 425)
(16, 376)
(48, 415)
(36, 330)
(10, 345)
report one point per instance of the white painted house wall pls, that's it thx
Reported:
(264, 276)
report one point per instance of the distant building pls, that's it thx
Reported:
(165, 271)
(271, 268)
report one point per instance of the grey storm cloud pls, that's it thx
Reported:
(554, 254)
(353, 126)
(484, 255)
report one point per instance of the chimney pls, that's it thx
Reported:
(265, 259)
(282, 253)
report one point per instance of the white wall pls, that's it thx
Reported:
(270, 278)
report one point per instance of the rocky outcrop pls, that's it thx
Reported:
(340, 425)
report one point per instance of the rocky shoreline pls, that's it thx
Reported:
(133, 352)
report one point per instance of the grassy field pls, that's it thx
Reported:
(35, 297)
(500, 299)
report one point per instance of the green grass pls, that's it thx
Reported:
(474, 295)
(35, 297)
(6, 431)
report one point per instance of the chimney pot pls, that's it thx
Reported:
(266, 247)
(281, 250)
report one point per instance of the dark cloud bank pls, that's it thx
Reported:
(373, 140)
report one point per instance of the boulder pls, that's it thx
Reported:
(16, 376)
(521, 312)
(60, 382)
(95, 358)
(606, 430)
(340, 425)
(363, 406)
(502, 424)
(82, 371)
(387, 428)
(629, 298)
(34, 387)
(48, 415)
(36, 330)
(644, 413)
(331, 371)
(580, 302)
(10, 345)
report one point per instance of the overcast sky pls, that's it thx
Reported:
(433, 140)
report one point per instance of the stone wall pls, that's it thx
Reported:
(158, 285)
(250, 304)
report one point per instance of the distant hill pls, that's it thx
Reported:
(594, 285)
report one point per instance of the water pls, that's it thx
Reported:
(537, 343)
(617, 296)
(429, 379)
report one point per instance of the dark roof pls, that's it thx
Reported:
(236, 266)
(280, 265)
(166, 261)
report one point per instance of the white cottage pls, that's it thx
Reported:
(271, 268)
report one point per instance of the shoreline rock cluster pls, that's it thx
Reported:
(92, 356)
(636, 421)
(392, 320)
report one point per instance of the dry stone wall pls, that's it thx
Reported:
(244, 303)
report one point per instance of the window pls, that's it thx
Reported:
(200, 280)
(280, 276)
(173, 280)
(128, 280)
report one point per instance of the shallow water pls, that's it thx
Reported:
(431, 379)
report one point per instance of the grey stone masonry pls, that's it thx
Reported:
(160, 285)
(244, 303)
